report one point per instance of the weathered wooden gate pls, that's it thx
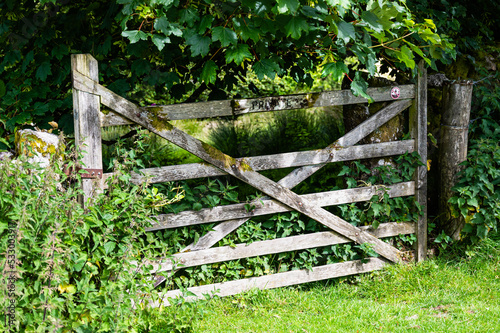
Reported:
(88, 94)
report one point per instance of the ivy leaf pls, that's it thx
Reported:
(265, 67)
(346, 31)
(200, 45)
(209, 72)
(160, 41)
(372, 21)
(224, 35)
(336, 70)
(359, 87)
(238, 54)
(482, 231)
(295, 27)
(135, 35)
(43, 71)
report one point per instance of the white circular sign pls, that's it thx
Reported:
(395, 92)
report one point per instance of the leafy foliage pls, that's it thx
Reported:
(164, 51)
(477, 196)
(75, 268)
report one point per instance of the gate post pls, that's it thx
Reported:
(418, 127)
(453, 148)
(86, 108)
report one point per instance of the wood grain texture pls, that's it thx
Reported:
(268, 206)
(86, 110)
(260, 248)
(418, 128)
(242, 106)
(277, 280)
(277, 161)
(242, 171)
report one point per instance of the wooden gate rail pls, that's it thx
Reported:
(156, 119)
(277, 161)
(265, 206)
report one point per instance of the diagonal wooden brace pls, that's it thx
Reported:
(236, 168)
(299, 175)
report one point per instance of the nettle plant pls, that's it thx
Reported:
(75, 268)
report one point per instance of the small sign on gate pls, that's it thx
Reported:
(395, 92)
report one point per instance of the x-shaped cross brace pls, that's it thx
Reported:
(239, 169)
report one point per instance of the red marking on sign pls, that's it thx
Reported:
(395, 93)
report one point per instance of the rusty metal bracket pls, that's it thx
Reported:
(91, 173)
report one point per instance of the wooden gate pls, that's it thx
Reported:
(88, 94)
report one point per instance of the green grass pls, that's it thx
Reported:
(456, 292)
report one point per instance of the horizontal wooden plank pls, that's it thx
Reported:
(268, 206)
(260, 248)
(212, 109)
(309, 100)
(277, 280)
(277, 161)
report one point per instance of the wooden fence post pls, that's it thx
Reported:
(86, 108)
(457, 98)
(418, 126)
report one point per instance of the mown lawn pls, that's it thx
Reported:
(459, 291)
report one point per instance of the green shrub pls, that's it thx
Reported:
(477, 196)
(75, 267)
